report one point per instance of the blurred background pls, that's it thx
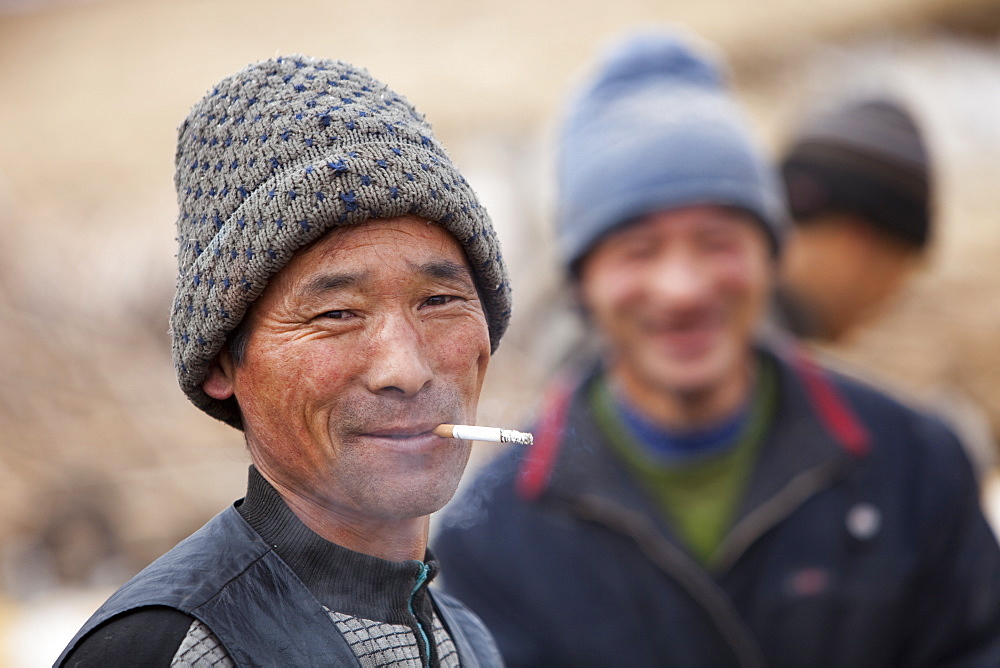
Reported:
(104, 464)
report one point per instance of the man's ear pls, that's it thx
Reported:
(577, 301)
(220, 381)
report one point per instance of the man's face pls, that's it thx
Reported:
(358, 347)
(841, 271)
(677, 296)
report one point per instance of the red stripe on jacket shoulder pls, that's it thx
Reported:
(538, 462)
(832, 408)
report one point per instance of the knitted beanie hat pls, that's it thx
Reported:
(657, 129)
(865, 158)
(279, 154)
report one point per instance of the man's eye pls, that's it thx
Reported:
(718, 242)
(639, 251)
(439, 300)
(636, 249)
(337, 315)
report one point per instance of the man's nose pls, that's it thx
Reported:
(397, 361)
(679, 278)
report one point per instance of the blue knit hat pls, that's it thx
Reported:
(657, 129)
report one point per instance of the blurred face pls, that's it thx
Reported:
(677, 296)
(359, 347)
(841, 271)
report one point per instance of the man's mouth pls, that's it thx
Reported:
(694, 322)
(403, 432)
(411, 440)
(687, 336)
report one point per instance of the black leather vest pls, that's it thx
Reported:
(226, 576)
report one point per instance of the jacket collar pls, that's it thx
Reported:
(813, 428)
(341, 579)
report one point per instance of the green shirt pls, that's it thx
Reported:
(699, 496)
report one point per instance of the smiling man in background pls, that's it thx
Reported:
(340, 294)
(698, 497)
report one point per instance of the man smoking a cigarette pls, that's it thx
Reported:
(339, 296)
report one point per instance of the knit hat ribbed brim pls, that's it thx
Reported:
(276, 156)
(867, 158)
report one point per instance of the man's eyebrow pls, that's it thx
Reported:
(331, 282)
(445, 270)
(440, 270)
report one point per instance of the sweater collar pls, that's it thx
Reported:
(797, 441)
(343, 580)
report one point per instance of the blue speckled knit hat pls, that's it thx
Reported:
(277, 155)
(656, 129)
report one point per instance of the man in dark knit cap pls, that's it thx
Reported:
(339, 296)
(697, 496)
(860, 184)
(859, 190)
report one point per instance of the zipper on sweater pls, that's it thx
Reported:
(425, 648)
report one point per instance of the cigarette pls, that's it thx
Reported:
(490, 434)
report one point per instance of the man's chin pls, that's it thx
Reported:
(689, 347)
(419, 501)
(412, 509)
(688, 377)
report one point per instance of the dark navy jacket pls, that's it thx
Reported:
(860, 542)
(226, 576)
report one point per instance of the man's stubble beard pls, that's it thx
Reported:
(401, 494)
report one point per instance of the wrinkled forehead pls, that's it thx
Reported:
(400, 250)
(389, 237)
